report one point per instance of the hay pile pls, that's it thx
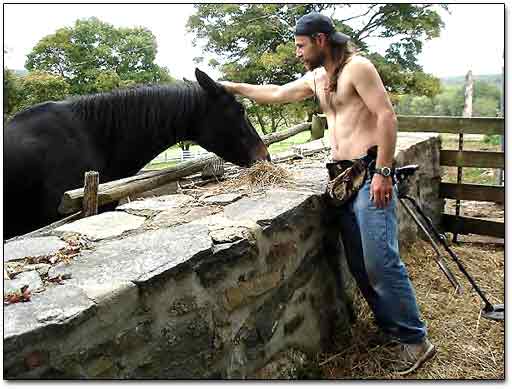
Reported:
(468, 346)
(261, 175)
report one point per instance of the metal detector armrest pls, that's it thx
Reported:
(406, 171)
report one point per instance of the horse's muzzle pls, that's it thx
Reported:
(262, 154)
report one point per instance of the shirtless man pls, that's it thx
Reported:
(359, 115)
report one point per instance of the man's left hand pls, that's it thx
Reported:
(381, 190)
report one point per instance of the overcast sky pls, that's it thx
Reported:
(473, 37)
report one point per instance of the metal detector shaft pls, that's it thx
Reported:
(442, 240)
(440, 261)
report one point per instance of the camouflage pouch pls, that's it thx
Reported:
(346, 184)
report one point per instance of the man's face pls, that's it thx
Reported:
(307, 50)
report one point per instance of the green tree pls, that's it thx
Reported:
(450, 102)
(40, 86)
(486, 106)
(94, 56)
(33, 88)
(487, 89)
(12, 93)
(254, 42)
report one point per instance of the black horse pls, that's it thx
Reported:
(48, 147)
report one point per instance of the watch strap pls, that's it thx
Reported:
(384, 171)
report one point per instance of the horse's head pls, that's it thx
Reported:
(225, 128)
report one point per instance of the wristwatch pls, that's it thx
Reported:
(384, 171)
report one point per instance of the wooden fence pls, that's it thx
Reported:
(456, 158)
(109, 192)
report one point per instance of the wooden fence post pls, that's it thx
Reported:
(467, 113)
(500, 174)
(90, 200)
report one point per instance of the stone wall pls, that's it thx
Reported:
(424, 185)
(201, 284)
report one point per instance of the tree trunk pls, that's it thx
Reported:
(260, 121)
(273, 120)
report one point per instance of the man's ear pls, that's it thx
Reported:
(322, 39)
(210, 86)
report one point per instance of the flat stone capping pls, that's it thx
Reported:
(32, 247)
(222, 199)
(161, 203)
(104, 225)
(201, 284)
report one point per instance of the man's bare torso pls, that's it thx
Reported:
(352, 127)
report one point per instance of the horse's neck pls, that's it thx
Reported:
(144, 126)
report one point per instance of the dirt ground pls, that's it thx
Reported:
(468, 345)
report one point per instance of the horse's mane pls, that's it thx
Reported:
(144, 108)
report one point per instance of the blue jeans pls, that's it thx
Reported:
(370, 238)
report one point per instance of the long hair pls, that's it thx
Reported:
(340, 54)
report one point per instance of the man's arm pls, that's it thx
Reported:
(272, 94)
(368, 85)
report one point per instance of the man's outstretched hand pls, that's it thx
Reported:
(230, 86)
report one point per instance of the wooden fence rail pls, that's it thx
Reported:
(471, 225)
(475, 192)
(112, 191)
(452, 124)
(482, 159)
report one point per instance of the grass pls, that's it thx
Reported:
(275, 148)
(470, 175)
(159, 165)
(287, 144)
(478, 143)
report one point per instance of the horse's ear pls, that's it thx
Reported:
(208, 84)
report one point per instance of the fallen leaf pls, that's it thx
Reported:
(17, 297)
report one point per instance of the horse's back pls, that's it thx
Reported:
(36, 136)
(45, 150)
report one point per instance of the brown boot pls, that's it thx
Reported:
(412, 356)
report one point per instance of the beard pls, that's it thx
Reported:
(314, 62)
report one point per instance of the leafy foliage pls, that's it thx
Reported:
(90, 57)
(35, 87)
(93, 56)
(254, 44)
(12, 93)
(450, 102)
(41, 86)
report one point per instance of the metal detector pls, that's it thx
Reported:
(489, 311)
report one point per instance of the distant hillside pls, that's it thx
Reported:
(20, 72)
(459, 80)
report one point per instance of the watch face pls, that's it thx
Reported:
(386, 171)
